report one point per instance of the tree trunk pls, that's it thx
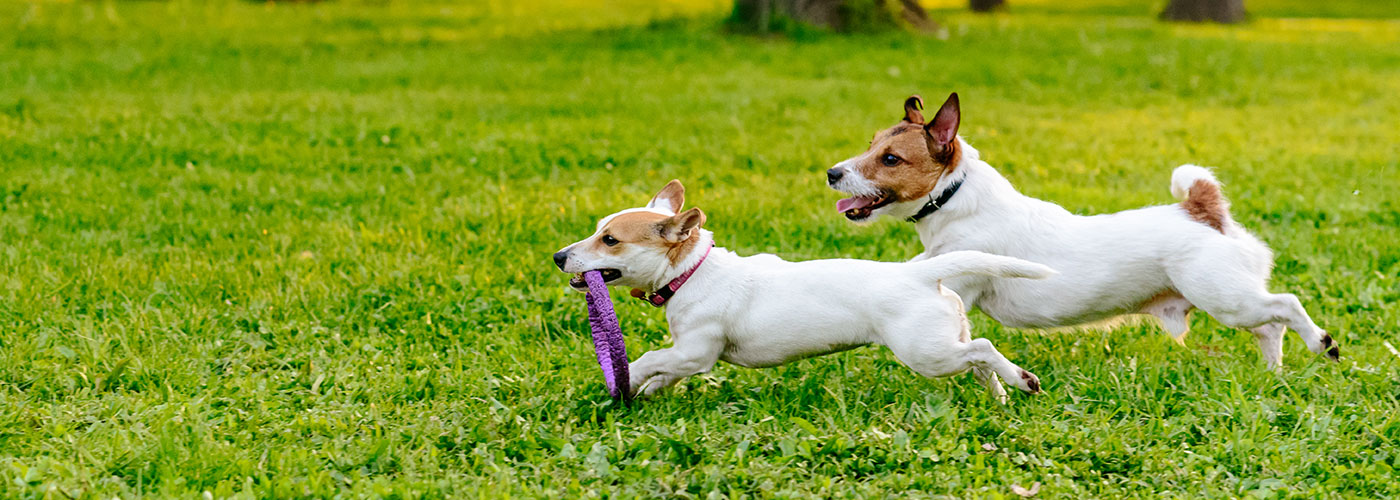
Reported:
(985, 5)
(1220, 11)
(838, 15)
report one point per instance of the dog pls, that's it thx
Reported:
(1161, 261)
(762, 311)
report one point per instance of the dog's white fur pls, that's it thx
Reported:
(762, 311)
(1155, 260)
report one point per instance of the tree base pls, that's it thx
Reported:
(1200, 11)
(985, 5)
(764, 16)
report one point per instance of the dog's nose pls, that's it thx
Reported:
(560, 258)
(834, 175)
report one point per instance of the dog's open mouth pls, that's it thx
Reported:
(609, 275)
(860, 207)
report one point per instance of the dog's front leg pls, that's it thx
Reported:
(693, 353)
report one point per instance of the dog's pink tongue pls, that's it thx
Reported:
(853, 202)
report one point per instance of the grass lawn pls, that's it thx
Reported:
(303, 250)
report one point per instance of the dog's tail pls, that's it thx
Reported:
(966, 262)
(1200, 196)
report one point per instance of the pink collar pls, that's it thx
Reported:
(660, 296)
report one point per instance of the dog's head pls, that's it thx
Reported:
(637, 247)
(904, 163)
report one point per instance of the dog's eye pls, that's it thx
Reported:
(609, 240)
(889, 160)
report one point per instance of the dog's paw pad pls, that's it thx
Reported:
(1032, 383)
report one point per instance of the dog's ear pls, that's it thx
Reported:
(944, 127)
(671, 198)
(679, 227)
(913, 110)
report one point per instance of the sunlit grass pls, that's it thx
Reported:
(302, 250)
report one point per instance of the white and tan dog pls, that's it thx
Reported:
(1161, 260)
(762, 311)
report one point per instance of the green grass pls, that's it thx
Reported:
(303, 250)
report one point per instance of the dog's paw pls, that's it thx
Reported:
(1032, 383)
(1334, 350)
(649, 388)
(639, 389)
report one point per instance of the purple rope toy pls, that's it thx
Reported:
(607, 337)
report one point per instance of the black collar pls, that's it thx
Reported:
(934, 204)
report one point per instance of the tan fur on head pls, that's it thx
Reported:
(674, 234)
(678, 232)
(678, 228)
(681, 232)
(924, 152)
(636, 228)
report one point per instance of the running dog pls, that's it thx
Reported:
(1162, 260)
(762, 311)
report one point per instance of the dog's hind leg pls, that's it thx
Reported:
(1173, 311)
(939, 359)
(1227, 280)
(983, 354)
(988, 378)
(935, 341)
(1270, 337)
(1286, 309)
(1261, 311)
(984, 375)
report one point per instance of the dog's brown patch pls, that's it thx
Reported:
(923, 158)
(1205, 204)
(682, 233)
(678, 251)
(918, 170)
(653, 230)
(635, 228)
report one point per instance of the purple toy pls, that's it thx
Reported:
(607, 336)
